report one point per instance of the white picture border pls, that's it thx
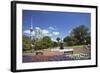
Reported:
(37, 65)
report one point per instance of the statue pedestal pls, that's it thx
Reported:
(61, 46)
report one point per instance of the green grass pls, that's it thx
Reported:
(27, 51)
(76, 46)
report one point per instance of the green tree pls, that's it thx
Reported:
(43, 43)
(54, 44)
(88, 39)
(79, 34)
(69, 41)
(38, 45)
(47, 41)
(26, 43)
(58, 39)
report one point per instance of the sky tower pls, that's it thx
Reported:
(31, 36)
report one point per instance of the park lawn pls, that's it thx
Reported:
(76, 46)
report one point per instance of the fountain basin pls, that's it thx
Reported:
(62, 50)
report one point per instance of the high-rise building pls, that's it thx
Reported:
(38, 34)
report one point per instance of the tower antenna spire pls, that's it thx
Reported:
(31, 27)
(31, 30)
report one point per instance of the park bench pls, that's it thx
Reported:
(39, 52)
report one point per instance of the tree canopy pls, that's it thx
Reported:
(26, 43)
(43, 43)
(78, 36)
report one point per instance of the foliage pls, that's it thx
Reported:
(54, 44)
(58, 39)
(69, 41)
(79, 35)
(43, 43)
(26, 43)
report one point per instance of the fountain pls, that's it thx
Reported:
(61, 45)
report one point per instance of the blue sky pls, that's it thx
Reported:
(54, 24)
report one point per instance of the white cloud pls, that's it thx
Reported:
(37, 28)
(51, 28)
(28, 32)
(53, 40)
(45, 31)
(55, 33)
(49, 34)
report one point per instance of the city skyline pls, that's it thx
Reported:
(54, 24)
